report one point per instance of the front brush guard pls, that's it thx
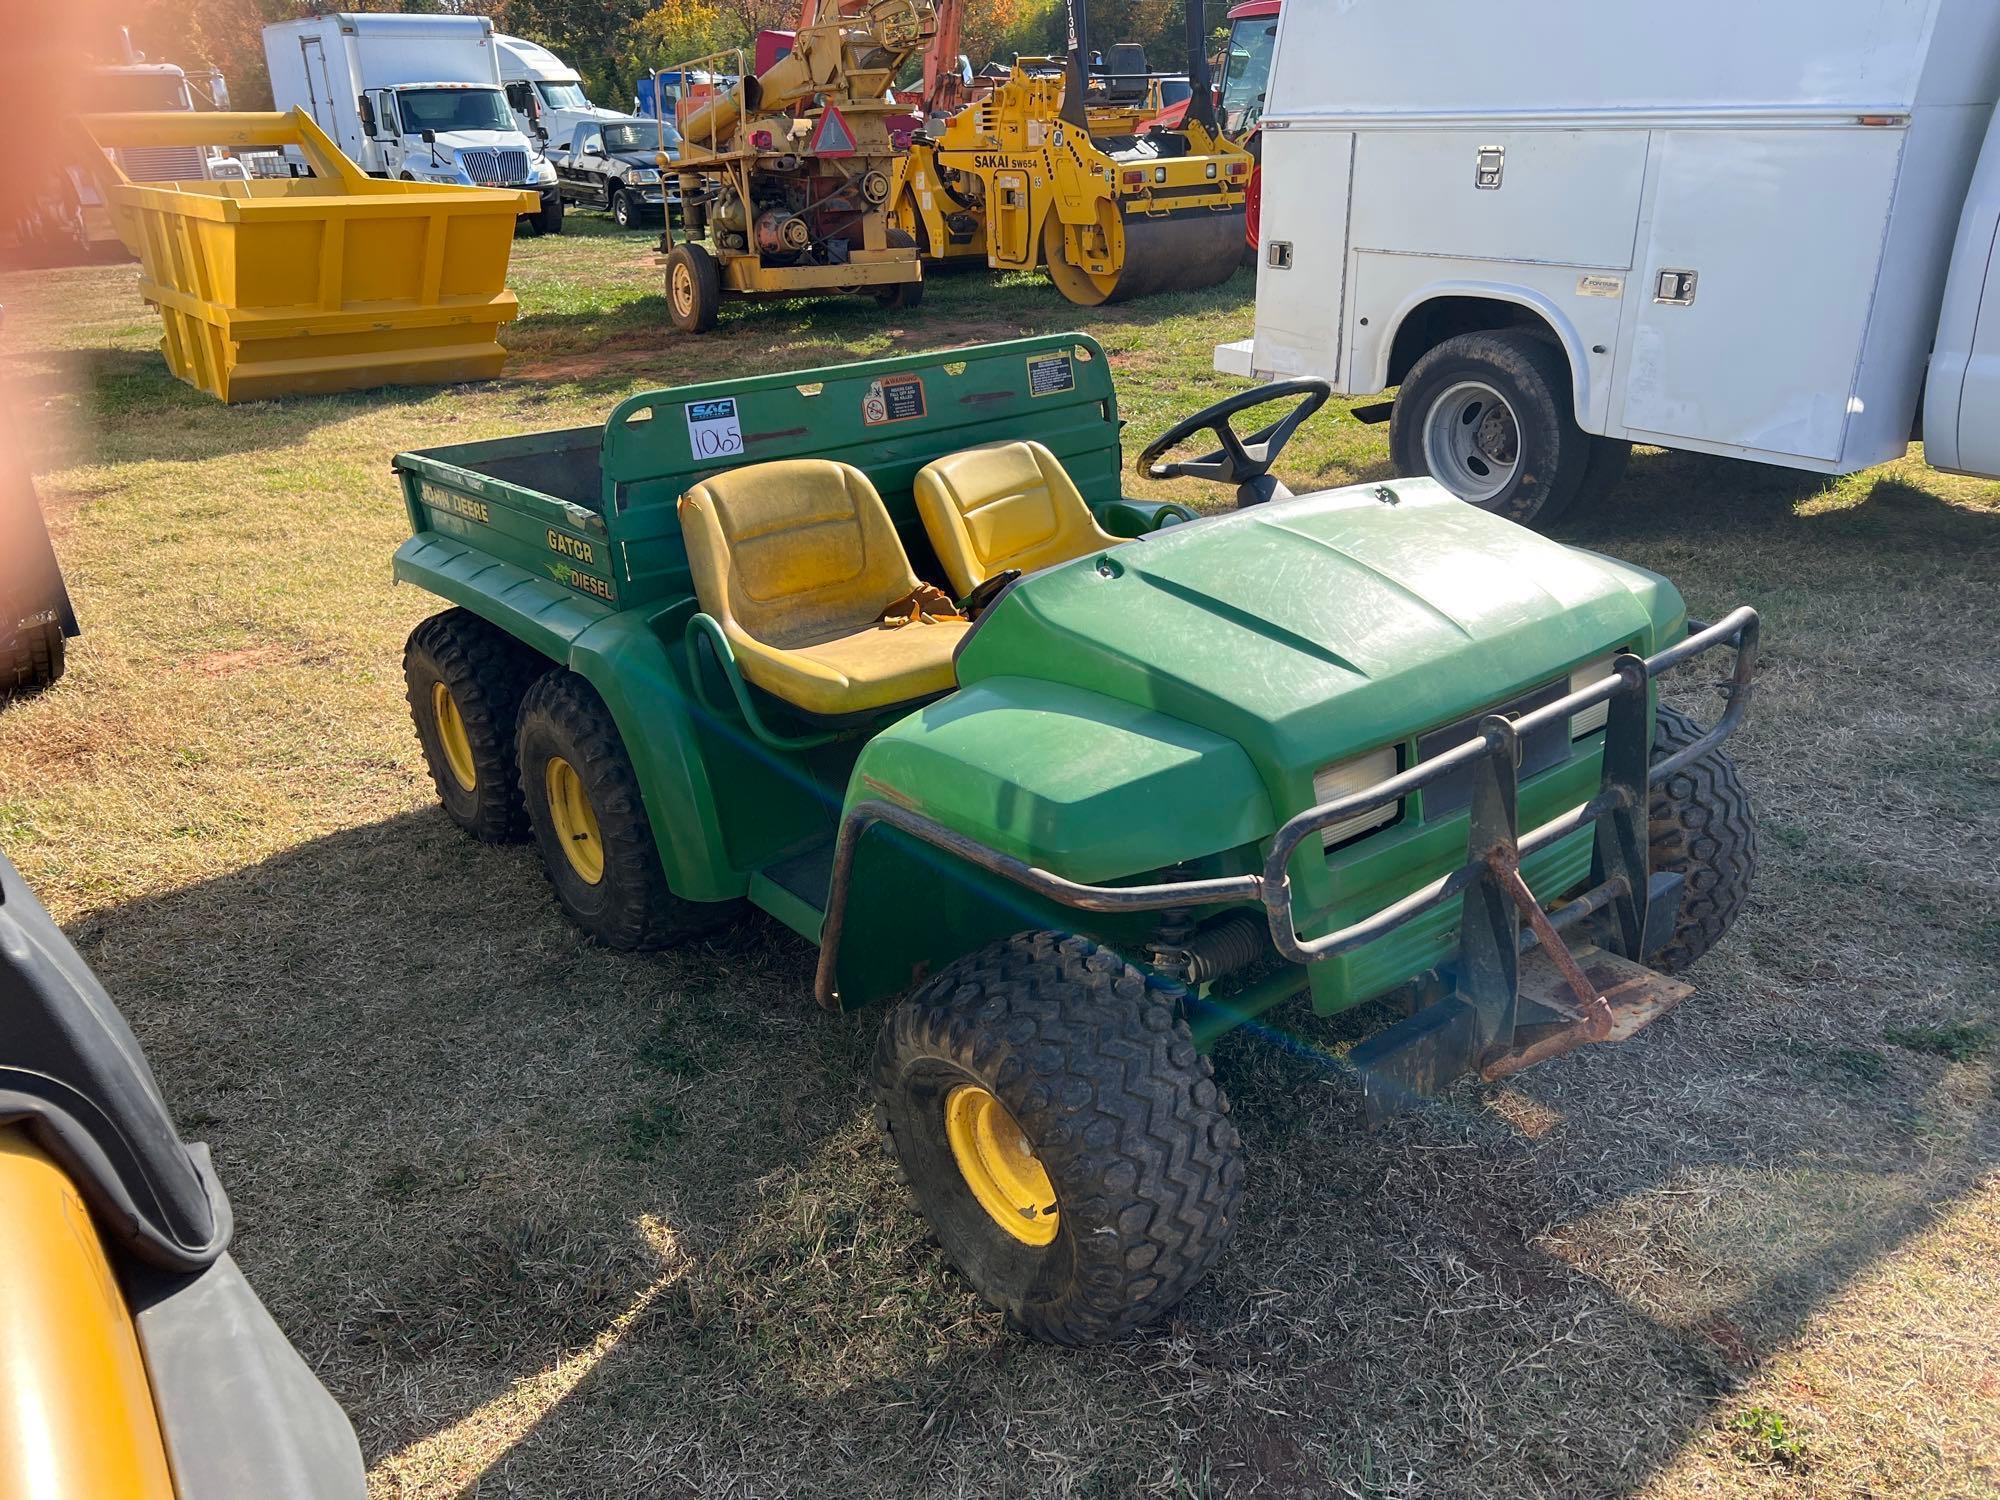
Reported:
(1481, 1024)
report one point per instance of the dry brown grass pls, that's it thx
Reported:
(554, 1221)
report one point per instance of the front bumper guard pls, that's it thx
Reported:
(1476, 1026)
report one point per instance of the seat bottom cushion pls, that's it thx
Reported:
(855, 671)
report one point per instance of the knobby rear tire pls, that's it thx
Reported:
(486, 672)
(631, 907)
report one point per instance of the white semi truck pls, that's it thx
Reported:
(1765, 231)
(545, 93)
(411, 96)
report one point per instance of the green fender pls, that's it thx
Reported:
(622, 656)
(1085, 786)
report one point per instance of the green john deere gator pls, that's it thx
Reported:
(883, 650)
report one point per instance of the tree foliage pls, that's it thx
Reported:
(612, 43)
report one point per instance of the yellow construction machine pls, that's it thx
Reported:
(1031, 175)
(786, 172)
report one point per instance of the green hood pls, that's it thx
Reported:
(1323, 626)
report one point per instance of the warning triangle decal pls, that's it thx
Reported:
(832, 137)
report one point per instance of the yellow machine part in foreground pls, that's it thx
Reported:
(335, 282)
(76, 1409)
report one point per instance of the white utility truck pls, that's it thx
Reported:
(1761, 230)
(545, 93)
(414, 97)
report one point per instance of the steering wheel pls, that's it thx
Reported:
(1242, 462)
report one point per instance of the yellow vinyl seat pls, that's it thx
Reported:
(1004, 505)
(796, 560)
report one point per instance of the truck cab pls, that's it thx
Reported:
(417, 98)
(545, 93)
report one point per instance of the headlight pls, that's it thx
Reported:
(1597, 715)
(543, 172)
(1347, 777)
(645, 174)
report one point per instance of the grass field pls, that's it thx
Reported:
(550, 1220)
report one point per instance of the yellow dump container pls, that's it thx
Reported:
(336, 282)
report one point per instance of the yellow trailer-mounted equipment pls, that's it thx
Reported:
(787, 174)
(1031, 176)
(334, 282)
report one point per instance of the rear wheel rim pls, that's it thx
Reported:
(999, 1166)
(574, 820)
(452, 738)
(1472, 441)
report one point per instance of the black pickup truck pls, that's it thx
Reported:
(613, 164)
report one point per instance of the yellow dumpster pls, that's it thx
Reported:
(335, 282)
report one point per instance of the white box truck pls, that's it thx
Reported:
(415, 97)
(1762, 230)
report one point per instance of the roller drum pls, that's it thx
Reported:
(1178, 253)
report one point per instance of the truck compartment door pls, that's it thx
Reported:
(1755, 286)
(1302, 261)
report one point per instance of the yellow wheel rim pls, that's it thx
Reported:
(683, 290)
(452, 738)
(574, 820)
(999, 1165)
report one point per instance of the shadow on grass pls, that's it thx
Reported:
(558, 1220)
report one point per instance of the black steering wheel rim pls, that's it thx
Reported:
(1239, 460)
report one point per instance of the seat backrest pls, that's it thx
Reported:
(793, 551)
(1004, 505)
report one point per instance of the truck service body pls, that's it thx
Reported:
(1759, 231)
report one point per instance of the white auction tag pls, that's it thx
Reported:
(714, 430)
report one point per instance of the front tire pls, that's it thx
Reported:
(694, 288)
(1700, 824)
(1488, 415)
(465, 680)
(621, 208)
(550, 219)
(590, 822)
(1061, 1133)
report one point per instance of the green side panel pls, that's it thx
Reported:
(1082, 785)
(916, 908)
(536, 611)
(546, 537)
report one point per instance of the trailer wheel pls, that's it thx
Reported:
(465, 680)
(37, 656)
(1488, 416)
(1060, 1132)
(1699, 823)
(590, 822)
(694, 288)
